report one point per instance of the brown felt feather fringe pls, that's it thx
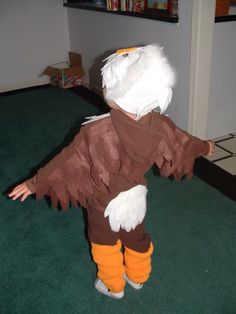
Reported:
(112, 155)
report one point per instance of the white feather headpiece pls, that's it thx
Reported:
(139, 79)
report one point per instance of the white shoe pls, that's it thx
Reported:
(136, 286)
(101, 287)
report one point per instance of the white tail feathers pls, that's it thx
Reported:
(128, 209)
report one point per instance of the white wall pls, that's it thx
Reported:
(33, 34)
(222, 102)
(97, 34)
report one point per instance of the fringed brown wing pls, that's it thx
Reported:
(66, 178)
(104, 153)
(178, 150)
(86, 163)
(188, 149)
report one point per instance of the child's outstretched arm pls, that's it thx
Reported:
(20, 190)
(64, 179)
(181, 150)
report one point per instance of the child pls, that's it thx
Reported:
(103, 168)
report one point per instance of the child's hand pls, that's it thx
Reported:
(212, 148)
(20, 190)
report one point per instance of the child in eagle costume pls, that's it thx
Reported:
(103, 168)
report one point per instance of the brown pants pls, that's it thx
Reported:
(112, 263)
(99, 232)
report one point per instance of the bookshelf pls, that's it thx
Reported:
(102, 8)
(226, 18)
(92, 6)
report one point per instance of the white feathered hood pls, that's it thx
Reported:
(139, 79)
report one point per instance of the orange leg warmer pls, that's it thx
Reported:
(138, 265)
(109, 260)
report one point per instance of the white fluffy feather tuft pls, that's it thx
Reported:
(128, 209)
(139, 81)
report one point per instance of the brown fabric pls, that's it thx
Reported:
(99, 232)
(112, 155)
(156, 137)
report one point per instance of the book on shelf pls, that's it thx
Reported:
(126, 5)
(113, 5)
(152, 6)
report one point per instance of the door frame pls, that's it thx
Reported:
(203, 20)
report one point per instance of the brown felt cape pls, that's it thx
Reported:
(112, 155)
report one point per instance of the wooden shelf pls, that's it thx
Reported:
(102, 8)
(227, 18)
(143, 15)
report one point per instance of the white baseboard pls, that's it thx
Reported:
(11, 87)
(43, 81)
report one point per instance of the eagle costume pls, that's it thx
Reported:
(103, 168)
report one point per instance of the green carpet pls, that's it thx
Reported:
(45, 263)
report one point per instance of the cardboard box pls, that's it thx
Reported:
(66, 74)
